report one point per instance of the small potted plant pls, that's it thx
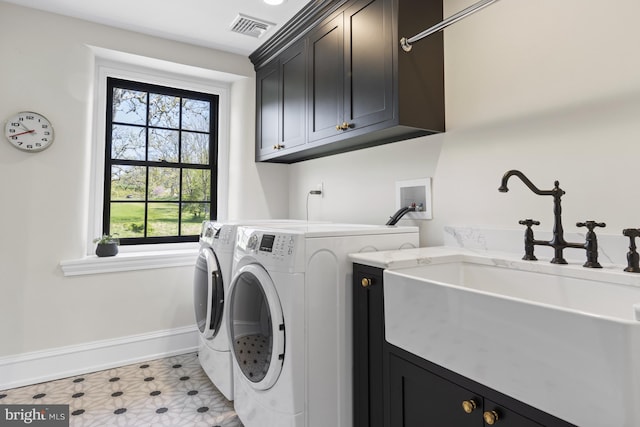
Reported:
(107, 245)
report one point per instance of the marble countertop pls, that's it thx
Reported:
(404, 258)
(407, 258)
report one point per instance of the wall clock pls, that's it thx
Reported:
(29, 131)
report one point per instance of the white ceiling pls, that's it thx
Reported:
(200, 22)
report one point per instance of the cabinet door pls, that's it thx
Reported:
(267, 100)
(368, 341)
(419, 398)
(293, 95)
(368, 62)
(507, 418)
(326, 79)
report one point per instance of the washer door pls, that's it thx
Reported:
(208, 293)
(256, 326)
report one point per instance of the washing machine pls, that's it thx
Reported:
(289, 320)
(212, 277)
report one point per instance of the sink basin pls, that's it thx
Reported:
(566, 341)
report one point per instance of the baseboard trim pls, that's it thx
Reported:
(48, 365)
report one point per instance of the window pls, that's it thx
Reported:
(160, 162)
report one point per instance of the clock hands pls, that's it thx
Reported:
(27, 130)
(22, 133)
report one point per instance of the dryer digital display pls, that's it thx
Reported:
(266, 244)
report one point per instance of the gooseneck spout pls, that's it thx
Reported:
(558, 243)
(503, 186)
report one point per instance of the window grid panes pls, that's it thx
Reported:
(160, 168)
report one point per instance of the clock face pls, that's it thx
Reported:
(29, 131)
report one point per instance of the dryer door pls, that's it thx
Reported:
(208, 293)
(256, 326)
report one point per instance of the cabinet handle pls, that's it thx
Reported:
(366, 282)
(469, 406)
(490, 417)
(278, 147)
(343, 126)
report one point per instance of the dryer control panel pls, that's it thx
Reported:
(209, 231)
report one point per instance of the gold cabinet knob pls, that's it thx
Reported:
(366, 282)
(469, 406)
(278, 147)
(490, 417)
(343, 126)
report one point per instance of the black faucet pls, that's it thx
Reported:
(557, 242)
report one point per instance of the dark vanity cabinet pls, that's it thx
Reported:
(361, 89)
(419, 395)
(394, 388)
(368, 346)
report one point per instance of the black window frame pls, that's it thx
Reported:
(112, 83)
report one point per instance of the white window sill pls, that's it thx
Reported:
(130, 261)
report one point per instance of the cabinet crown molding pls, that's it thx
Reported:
(301, 23)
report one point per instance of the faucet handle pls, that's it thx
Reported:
(590, 224)
(633, 259)
(591, 244)
(528, 222)
(528, 239)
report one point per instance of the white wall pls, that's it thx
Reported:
(256, 190)
(548, 87)
(47, 67)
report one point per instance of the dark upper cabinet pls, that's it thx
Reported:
(361, 88)
(350, 72)
(281, 102)
(326, 79)
(268, 101)
(368, 74)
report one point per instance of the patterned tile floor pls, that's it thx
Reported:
(173, 391)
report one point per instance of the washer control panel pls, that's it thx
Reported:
(267, 246)
(279, 245)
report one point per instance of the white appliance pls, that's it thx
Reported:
(289, 319)
(212, 277)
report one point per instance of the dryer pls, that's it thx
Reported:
(289, 320)
(212, 277)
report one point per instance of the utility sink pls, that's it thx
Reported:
(565, 340)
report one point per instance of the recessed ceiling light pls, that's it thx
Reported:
(274, 2)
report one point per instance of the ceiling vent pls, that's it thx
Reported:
(249, 26)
